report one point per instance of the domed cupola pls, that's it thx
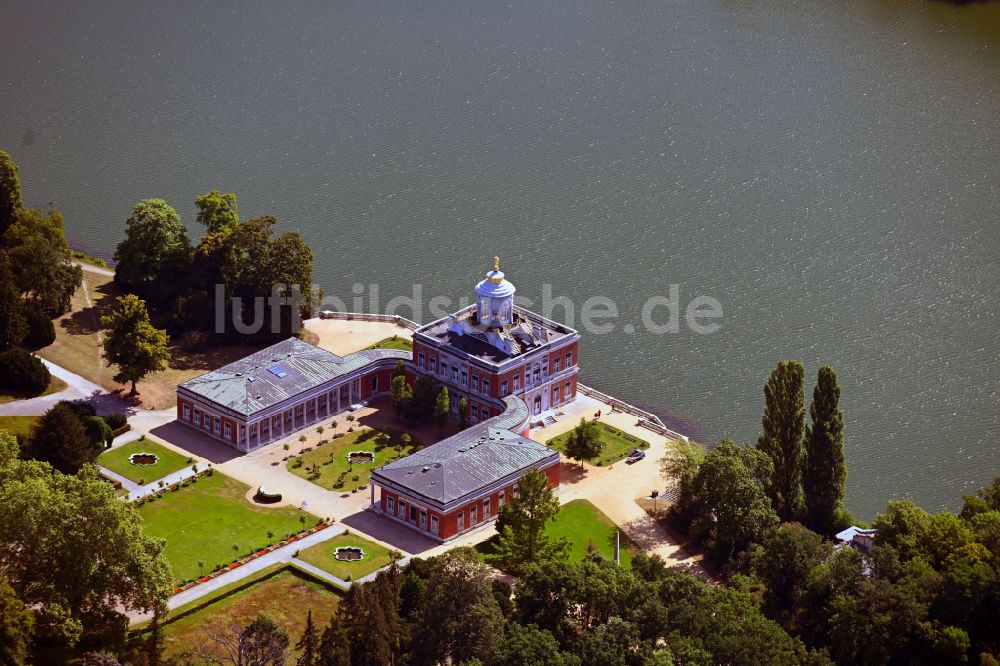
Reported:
(495, 299)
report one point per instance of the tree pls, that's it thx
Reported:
(528, 646)
(785, 564)
(784, 423)
(401, 394)
(40, 260)
(308, 645)
(463, 413)
(217, 211)
(73, 551)
(679, 465)
(259, 643)
(421, 406)
(17, 623)
(442, 407)
(10, 192)
(521, 523)
(132, 343)
(60, 439)
(825, 470)
(23, 372)
(153, 260)
(13, 325)
(875, 625)
(729, 488)
(41, 330)
(985, 499)
(903, 526)
(457, 618)
(584, 441)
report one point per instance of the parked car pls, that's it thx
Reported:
(635, 456)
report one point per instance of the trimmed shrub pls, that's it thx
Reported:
(41, 331)
(116, 420)
(23, 372)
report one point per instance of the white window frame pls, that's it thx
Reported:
(517, 383)
(227, 430)
(486, 386)
(486, 509)
(420, 360)
(569, 360)
(503, 388)
(435, 524)
(461, 521)
(187, 412)
(390, 505)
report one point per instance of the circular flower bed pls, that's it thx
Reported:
(360, 457)
(349, 553)
(144, 459)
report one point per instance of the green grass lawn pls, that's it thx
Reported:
(55, 385)
(202, 522)
(321, 556)
(117, 460)
(281, 592)
(326, 465)
(395, 342)
(18, 425)
(617, 444)
(582, 523)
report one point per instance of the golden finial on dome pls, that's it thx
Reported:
(496, 263)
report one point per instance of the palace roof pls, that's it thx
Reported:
(278, 373)
(529, 331)
(464, 464)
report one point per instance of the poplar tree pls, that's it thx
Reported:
(825, 470)
(441, 408)
(784, 425)
(463, 414)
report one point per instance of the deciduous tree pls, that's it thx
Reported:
(17, 625)
(441, 408)
(463, 413)
(401, 394)
(217, 212)
(153, 260)
(584, 441)
(73, 551)
(784, 424)
(10, 192)
(259, 643)
(825, 470)
(40, 260)
(132, 343)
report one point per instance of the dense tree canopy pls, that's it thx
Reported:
(74, 552)
(17, 625)
(10, 192)
(153, 259)
(217, 212)
(40, 260)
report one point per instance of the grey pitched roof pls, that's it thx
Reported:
(277, 373)
(464, 463)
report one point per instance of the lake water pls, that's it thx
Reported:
(829, 172)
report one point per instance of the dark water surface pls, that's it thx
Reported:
(829, 171)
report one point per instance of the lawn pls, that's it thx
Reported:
(18, 425)
(326, 464)
(204, 520)
(281, 592)
(617, 444)
(322, 555)
(55, 385)
(77, 347)
(117, 460)
(395, 342)
(584, 524)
